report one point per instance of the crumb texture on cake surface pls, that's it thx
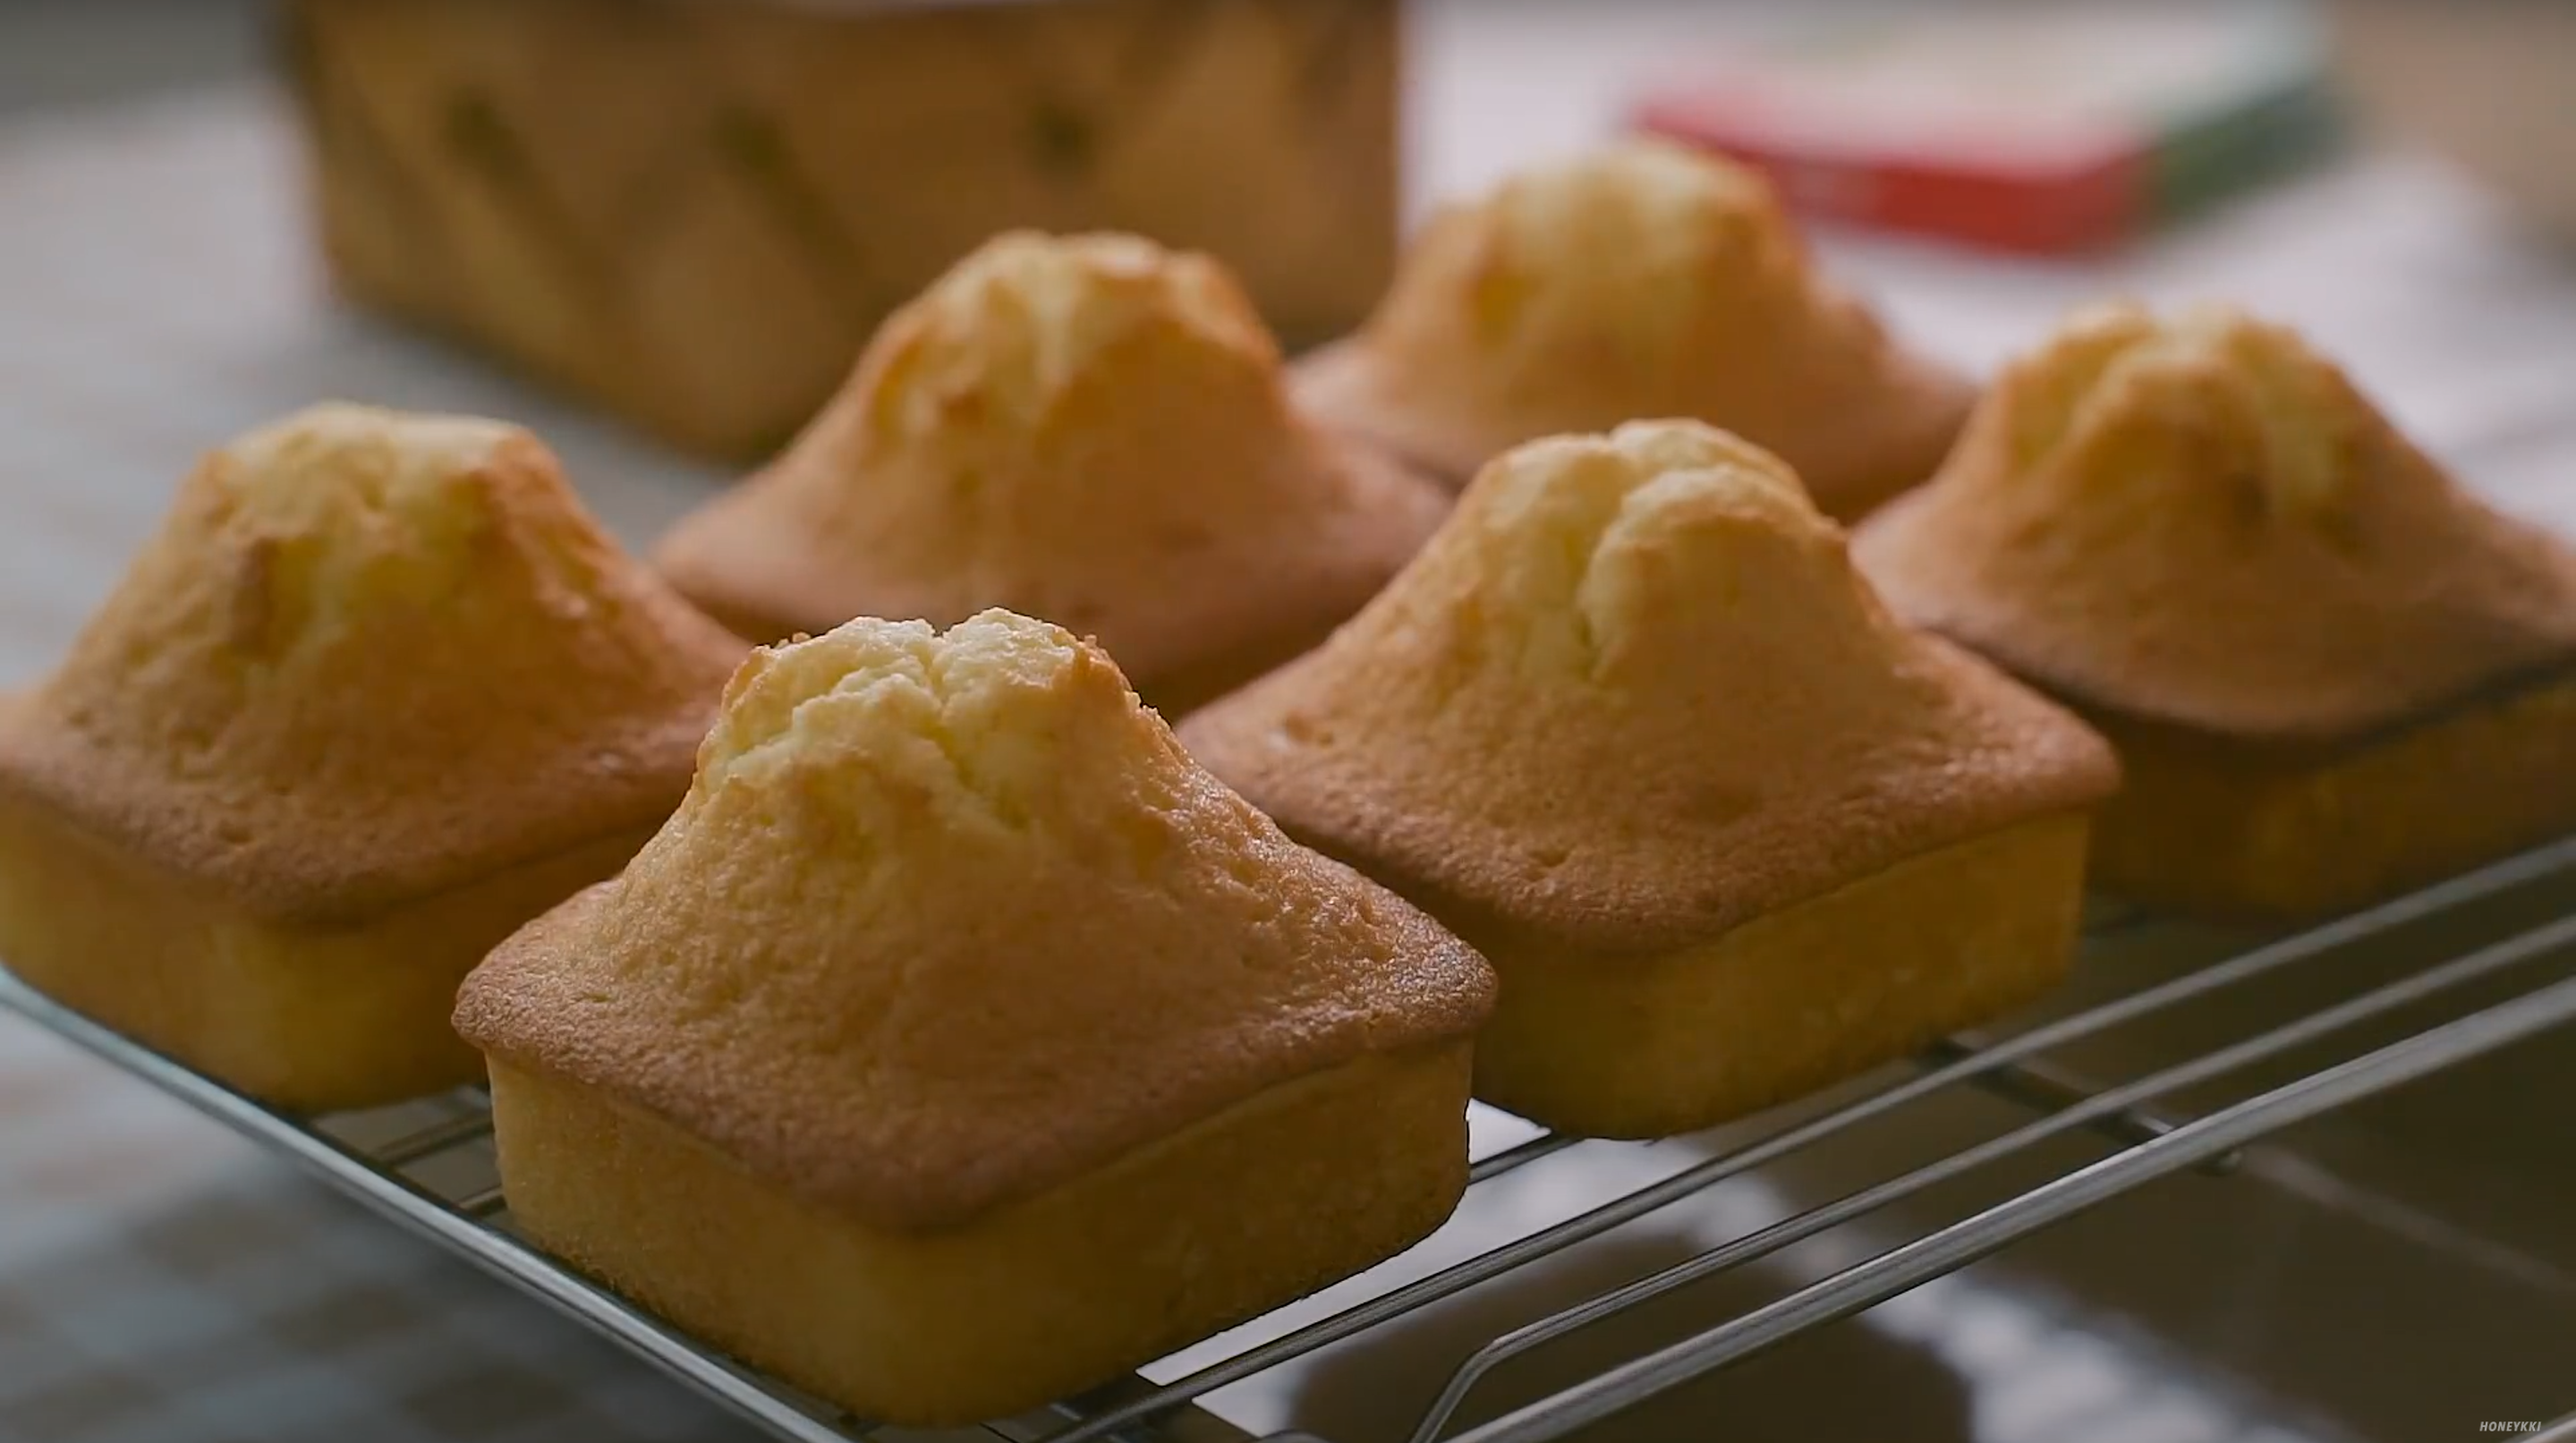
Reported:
(2196, 519)
(1088, 428)
(370, 655)
(949, 918)
(1643, 280)
(1633, 693)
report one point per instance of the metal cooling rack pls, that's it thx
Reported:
(429, 1167)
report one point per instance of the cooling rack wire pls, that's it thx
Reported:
(428, 1167)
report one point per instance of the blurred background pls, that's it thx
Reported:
(657, 232)
(662, 230)
(64, 52)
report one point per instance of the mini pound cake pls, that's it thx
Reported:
(1643, 280)
(1090, 429)
(1633, 727)
(2332, 673)
(377, 692)
(960, 1045)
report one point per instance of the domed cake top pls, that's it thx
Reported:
(1634, 685)
(367, 649)
(1637, 281)
(948, 918)
(2198, 519)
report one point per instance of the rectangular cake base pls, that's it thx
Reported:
(307, 1017)
(1294, 1189)
(1608, 1045)
(2231, 829)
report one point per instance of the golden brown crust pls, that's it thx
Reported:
(2202, 522)
(2275, 831)
(1237, 1214)
(1633, 694)
(1644, 281)
(1088, 429)
(948, 920)
(308, 1016)
(1630, 1045)
(370, 657)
